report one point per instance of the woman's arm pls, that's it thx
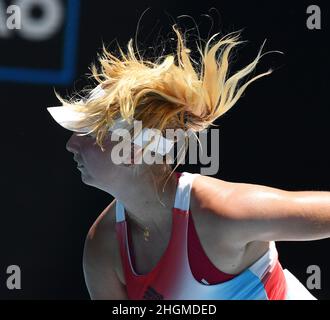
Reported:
(250, 212)
(266, 214)
(99, 260)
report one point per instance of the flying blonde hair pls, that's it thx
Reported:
(170, 92)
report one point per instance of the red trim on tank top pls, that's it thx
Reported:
(130, 243)
(275, 283)
(200, 264)
(135, 285)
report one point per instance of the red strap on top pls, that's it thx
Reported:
(178, 174)
(201, 266)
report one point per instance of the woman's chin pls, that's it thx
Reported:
(84, 175)
(85, 179)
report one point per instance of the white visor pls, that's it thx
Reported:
(68, 118)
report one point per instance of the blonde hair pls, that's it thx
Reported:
(173, 91)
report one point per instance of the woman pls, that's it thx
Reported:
(178, 236)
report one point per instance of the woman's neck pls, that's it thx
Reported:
(145, 201)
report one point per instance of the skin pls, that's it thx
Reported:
(234, 221)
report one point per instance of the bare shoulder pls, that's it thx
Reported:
(100, 258)
(210, 196)
(213, 197)
(219, 228)
(211, 193)
(209, 201)
(104, 225)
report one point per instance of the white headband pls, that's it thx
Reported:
(68, 118)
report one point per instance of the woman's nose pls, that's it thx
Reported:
(72, 144)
